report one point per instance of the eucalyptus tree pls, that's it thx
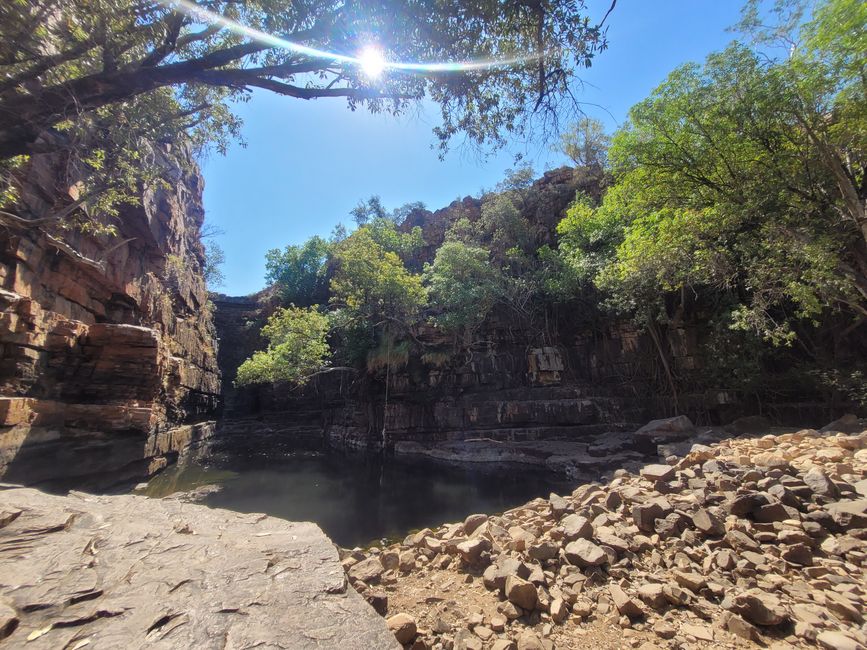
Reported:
(746, 175)
(94, 79)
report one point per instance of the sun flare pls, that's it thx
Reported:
(372, 62)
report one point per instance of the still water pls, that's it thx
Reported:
(357, 500)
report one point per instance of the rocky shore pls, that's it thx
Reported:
(131, 572)
(751, 541)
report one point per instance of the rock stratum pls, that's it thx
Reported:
(571, 373)
(107, 371)
(131, 572)
(751, 541)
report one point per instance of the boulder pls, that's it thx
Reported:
(708, 523)
(849, 514)
(849, 423)
(521, 592)
(151, 572)
(559, 610)
(529, 641)
(820, 484)
(645, 514)
(367, 571)
(544, 551)
(834, 640)
(666, 429)
(472, 550)
(584, 553)
(658, 472)
(403, 627)
(757, 607)
(576, 527)
(474, 521)
(624, 603)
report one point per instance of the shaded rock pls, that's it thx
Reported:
(584, 553)
(749, 424)
(708, 523)
(474, 521)
(8, 620)
(378, 600)
(521, 593)
(849, 514)
(757, 607)
(403, 627)
(624, 603)
(667, 429)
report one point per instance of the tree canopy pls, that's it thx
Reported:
(62, 59)
(297, 348)
(745, 174)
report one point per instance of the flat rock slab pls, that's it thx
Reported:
(133, 572)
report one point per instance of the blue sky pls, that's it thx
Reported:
(307, 164)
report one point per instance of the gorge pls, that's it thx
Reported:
(617, 403)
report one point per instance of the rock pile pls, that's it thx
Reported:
(750, 541)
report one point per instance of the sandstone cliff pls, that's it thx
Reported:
(107, 371)
(575, 372)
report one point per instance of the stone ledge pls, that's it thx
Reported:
(127, 571)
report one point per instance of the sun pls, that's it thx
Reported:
(372, 61)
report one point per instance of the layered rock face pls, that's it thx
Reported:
(107, 369)
(574, 373)
(128, 571)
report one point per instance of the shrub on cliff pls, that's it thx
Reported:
(297, 348)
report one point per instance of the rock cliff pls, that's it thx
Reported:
(107, 371)
(577, 372)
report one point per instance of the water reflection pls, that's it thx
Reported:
(356, 500)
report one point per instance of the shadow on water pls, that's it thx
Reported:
(356, 499)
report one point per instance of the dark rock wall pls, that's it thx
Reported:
(581, 372)
(99, 365)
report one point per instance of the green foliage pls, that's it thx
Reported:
(586, 144)
(213, 267)
(297, 348)
(852, 384)
(464, 285)
(384, 232)
(299, 272)
(372, 208)
(371, 283)
(744, 175)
